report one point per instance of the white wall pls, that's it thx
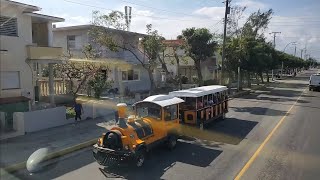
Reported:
(96, 109)
(60, 40)
(15, 57)
(44, 119)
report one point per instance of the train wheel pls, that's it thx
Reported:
(223, 117)
(140, 157)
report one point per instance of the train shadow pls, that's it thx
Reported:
(162, 160)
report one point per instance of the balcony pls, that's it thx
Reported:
(44, 54)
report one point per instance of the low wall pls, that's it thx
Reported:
(44, 119)
(97, 109)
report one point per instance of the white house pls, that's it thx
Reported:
(26, 43)
(126, 70)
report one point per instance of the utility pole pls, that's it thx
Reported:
(127, 10)
(274, 46)
(301, 53)
(274, 38)
(227, 11)
(295, 49)
(305, 53)
(239, 75)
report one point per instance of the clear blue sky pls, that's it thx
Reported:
(296, 19)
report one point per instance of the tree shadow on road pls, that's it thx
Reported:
(161, 160)
(259, 111)
(281, 99)
(281, 95)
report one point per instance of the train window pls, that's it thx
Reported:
(199, 103)
(205, 100)
(171, 112)
(149, 110)
(190, 103)
(189, 117)
(216, 99)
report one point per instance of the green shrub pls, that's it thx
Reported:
(99, 84)
(210, 82)
(184, 80)
(70, 113)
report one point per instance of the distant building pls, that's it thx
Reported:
(209, 67)
(126, 70)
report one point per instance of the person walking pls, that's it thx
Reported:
(78, 109)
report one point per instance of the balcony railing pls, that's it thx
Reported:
(44, 53)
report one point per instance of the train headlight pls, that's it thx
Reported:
(100, 142)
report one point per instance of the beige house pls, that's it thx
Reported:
(209, 67)
(26, 43)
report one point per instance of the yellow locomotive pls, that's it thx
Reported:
(156, 121)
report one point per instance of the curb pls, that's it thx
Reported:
(246, 92)
(22, 165)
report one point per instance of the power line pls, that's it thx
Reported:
(156, 17)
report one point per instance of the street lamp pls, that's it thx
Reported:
(284, 50)
(239, 75)
(294, 42)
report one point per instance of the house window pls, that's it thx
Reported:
(8, 26)
(130, 75)
(10, 80)
(71, 42)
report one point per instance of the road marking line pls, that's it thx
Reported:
(255, 155)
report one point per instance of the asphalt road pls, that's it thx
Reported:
(225, 147)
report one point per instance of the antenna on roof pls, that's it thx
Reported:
(127, 10)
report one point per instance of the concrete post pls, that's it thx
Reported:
(50, 34)
(2, 121)
(51, 84)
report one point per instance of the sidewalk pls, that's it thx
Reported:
(18, 150)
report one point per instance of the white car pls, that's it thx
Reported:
(314, 82)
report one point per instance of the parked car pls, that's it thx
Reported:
(314, 83)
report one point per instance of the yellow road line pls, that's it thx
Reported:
(255, 155)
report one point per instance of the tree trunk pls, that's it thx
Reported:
(241, 81)
(248, 79)
(70, 86)
(151, 80)
(178, 69)
(198, 68)
(164, 65)
(261, 77)
(267, 76)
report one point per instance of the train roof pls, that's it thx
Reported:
(198, 91)
(162, 100)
